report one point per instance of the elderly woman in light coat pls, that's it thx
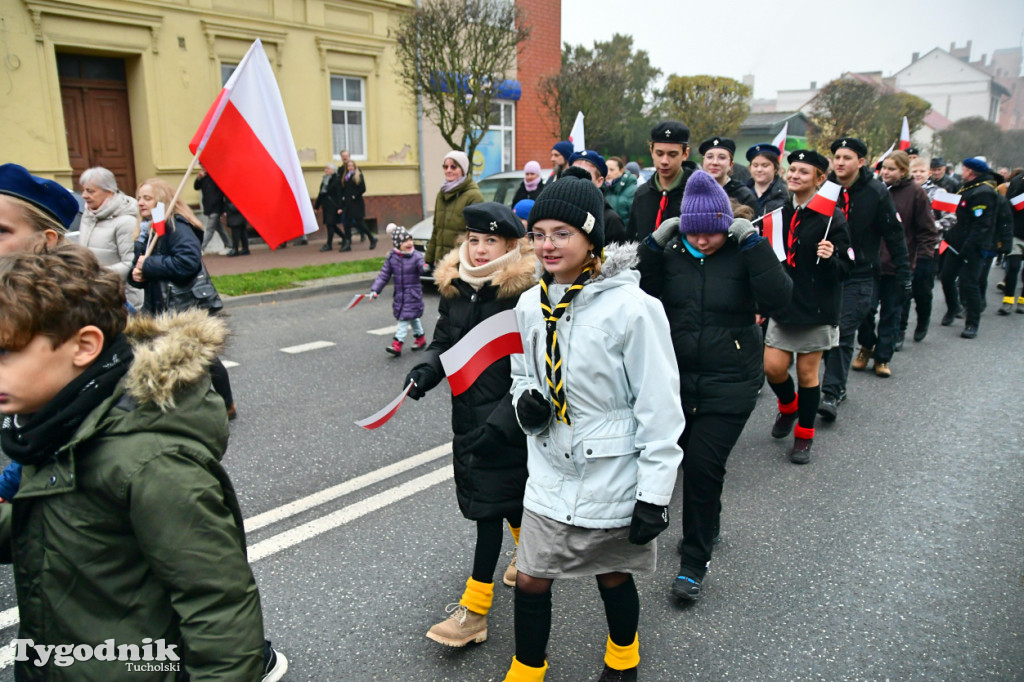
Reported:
(108, 225)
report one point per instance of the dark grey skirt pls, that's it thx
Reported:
(801, 338)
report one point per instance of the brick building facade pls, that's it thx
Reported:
(535, 126)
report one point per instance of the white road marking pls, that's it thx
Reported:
(383, 331)
(304, 347)
(228, 364)
(349, 486)
(306, 531)
(292, 537)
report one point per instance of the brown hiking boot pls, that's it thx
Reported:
(511, 572)
(460, 628)
(861, 361)
(882, 370)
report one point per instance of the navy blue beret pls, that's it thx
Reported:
(45, 194)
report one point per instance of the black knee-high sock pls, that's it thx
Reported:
(622, 609)
(488, 549)
(785, 391)
(808, 407)
(533, 627)
(515, 519)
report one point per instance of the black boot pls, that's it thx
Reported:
(801, 450)
(784, 424)
(373, 242)
(610, 674)
(326, 247)
(345, 246)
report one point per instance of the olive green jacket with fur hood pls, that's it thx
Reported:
(449, 223)
(134, 530)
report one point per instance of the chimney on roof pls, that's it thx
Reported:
(914, 57)
(814, 85)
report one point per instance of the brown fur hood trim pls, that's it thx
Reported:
(171, 351)
(511, 282)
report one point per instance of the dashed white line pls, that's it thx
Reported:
(383, 331)
(305, 347)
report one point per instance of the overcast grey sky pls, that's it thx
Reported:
(786, 45)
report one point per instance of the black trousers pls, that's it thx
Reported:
(965, 267)
(240, 239)
(1013, 262)
(888, 301)
(333, 229)
(707, 441)
(921, 286)
(359, 224)
(221, 382)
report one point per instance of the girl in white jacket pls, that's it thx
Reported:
(597, 393)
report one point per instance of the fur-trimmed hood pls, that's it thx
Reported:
(172, 352)
(510, 281)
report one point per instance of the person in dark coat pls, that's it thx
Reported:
(594, 163)
(940, 177)
(353, 207)
(532, 184)
(659, 198)
(713, 275)
(213, 207)
(405, 264)
(871, 217)
(239, 227)
(766, 184)
(922, 236)
(1016, 255)
(482, 277)
(329, 200)
(972, 234)
(717, 155)
(818, 256)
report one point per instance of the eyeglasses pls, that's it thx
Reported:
(449, 167)
(558, 239)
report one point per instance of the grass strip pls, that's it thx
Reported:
(276, 279)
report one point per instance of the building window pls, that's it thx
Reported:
(225, 72)
(348, 116)
(993, 110)
(503, 122)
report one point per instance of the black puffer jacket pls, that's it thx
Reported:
(1016, 188)
(490, 483)
(742, 194)
(775, 196)
(647, 200)
(871, 218)
(817, 290)
(710, 304)
(975, 216)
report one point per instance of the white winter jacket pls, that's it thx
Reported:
(622, 386)
(109, 233)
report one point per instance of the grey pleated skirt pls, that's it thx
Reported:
(551, 549)
(801, 338)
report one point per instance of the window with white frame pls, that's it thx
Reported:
(348, 116)
(503, 121)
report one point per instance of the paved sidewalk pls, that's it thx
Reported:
(262, 258)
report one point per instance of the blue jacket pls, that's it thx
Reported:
(622, 387)
(10, 481)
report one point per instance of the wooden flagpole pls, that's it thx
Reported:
(153, 237)
(826, 234)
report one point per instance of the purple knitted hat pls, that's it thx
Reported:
(706, 207)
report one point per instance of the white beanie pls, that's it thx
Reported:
(459, 158)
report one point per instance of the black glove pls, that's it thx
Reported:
(648, 521)
(419, 377)
(533, 409)
(482, 439)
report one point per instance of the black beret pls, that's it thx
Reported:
(593, 157)
(853, 144)
(937, 162)
(670, 131)
(809, 156)
(914, 150)
(762, 148)
(490, 217)
(44, 194)
(718, 143)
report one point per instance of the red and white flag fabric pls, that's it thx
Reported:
(489, 341)
(945, 201)
(381, 417)
(772, 229)
(887, 152)
(905, 135)
(576, 136)
(1017, 202)
(780, 139)
(159, 217)
(246, 146)
(355, 301)
(824, 202)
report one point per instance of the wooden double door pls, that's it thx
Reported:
(94, 96)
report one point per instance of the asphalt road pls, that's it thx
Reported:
(897, 554)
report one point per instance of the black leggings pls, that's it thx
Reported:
(221, 382)
(489, 534)
(1013, 263)
(359, 224)
(240, 239)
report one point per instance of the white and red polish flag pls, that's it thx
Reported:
(780, 140)
(1017, 202)
(824, 202)
(355, 301)
(946, 201)
(905, 135)
(579, 141)
(773, 231)
(246, 146)
(159, 217)
(887, 153)
(381, 417)
(489, 341)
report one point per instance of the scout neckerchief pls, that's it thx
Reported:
(553, 358)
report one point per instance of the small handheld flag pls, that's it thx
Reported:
(824, 202)
(379, 418)
(946, 201)
(355, 301)
(159, 215)
(1017, 202)
(905, 135)
(489, 341)
(780, 139)
(771, 228)
(579, 142)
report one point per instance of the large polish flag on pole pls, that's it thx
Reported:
(246, 146)
(905, 135)
(489, 341)
(780, 140)
(824, 202)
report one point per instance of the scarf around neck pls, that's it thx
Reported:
(552, 356)
(34, 439)
(531, 186)
(478, 275)
(449, 186)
